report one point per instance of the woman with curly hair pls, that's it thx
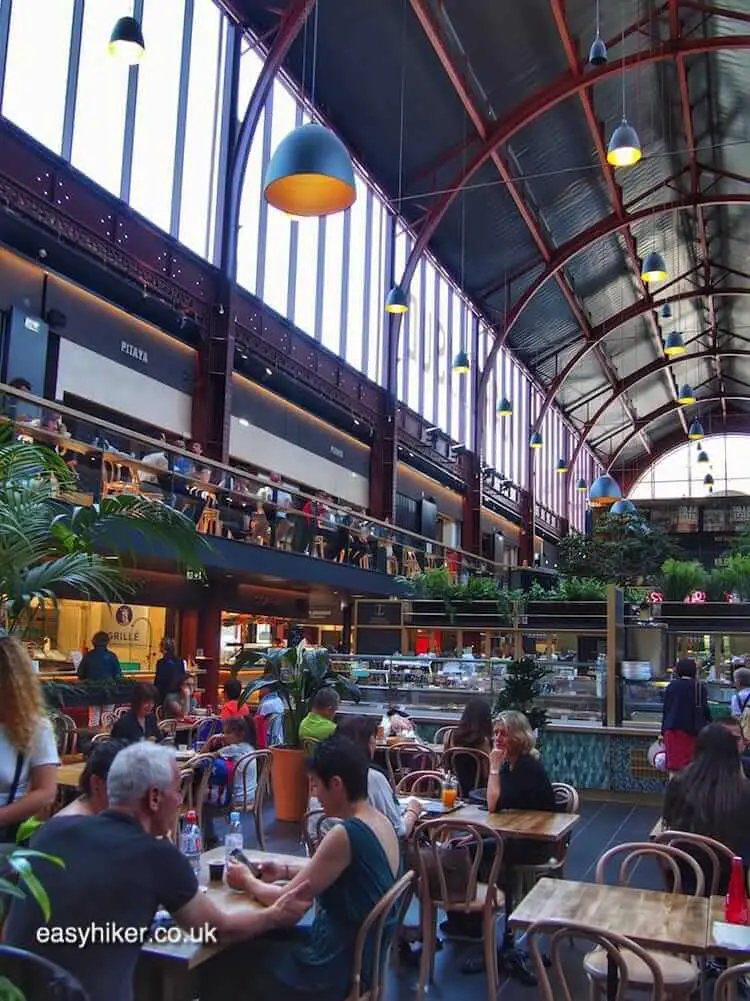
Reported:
(28, 751)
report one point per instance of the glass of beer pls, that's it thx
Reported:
(449, 791)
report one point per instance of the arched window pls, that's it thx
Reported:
(681, 473)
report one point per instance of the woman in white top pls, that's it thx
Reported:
(28, 751)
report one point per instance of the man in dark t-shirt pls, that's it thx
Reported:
(118, 869)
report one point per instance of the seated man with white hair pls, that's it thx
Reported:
(118, 870)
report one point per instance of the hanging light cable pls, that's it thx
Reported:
(396, 300)
(462, 362)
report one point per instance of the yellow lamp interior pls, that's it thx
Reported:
(685, 400)
(623, 156)
(396, 307)
(654, 276)
(125, 51)
(678, 349)
(310, 194)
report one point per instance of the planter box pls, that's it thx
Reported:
(64, 694)
(433, 614)
(710, 617)
(566, 615)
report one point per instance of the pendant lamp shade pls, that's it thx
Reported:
(654, 268)
(396, 301)
(623, 507)
(624, 148)
(310, 174)
(703, 457)
(505, 408)
(666, 311)
(126, 41)
(686, 395)
(581, 486)
(598, 52)
(535, 441)
(674, 344)
(562, 466)
(604, 491)
(461, 364)
(708, 480)
(695, 431)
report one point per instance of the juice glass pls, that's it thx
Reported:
(449, 792)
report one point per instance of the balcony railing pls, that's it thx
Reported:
(256, 508)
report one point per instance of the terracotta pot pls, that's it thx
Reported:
(289, 780)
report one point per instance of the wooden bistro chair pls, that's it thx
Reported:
(313, 830)
(443, 735)
(480, 759)
(436, 858)
(554, 985)
(428, 784)
(527, 876)
(378, 930)
(680, 975)
(407, 756)
(727, 986)
(707, 851)
(261, 760)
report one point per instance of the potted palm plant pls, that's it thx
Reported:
(296, 674)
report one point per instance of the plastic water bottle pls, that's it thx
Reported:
(233, 837)
(190, 841)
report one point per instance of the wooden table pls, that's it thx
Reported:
(536, 825)
(164, 970)
(730, 941)
(653, 919)
(70, 775)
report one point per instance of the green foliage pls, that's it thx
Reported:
(732, 577)
(679, 578)
(20, 860)
(522, 686)
(297, 674)
(439, 585)
(623, 550)
(569, 589)
(48, 547)
(9, 992)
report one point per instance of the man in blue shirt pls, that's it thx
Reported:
(99, 664)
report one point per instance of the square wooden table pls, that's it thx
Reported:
(70, 775)
(653, 919)
(730, 941)
(536, 825)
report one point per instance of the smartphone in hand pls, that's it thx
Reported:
(255, 867)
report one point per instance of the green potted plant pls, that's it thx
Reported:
(296, 674)
(522, 688)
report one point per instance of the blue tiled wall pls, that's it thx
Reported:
(598, 761)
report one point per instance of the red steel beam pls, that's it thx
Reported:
(431, 29)
(658, 365)
(662, 411)
(714, 11)
(615, 192)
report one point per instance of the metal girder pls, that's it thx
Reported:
(601, 229)
(663, 411)
(292, 20)
(658, 365)
(615, 193)
(423, 12)
(608, 327)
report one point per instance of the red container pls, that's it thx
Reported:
(735, 905)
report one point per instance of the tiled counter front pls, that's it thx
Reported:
(601, 760)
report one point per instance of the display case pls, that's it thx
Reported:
(642, 700)
(575, 691)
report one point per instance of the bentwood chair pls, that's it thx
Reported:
(313, 830)
(35, 977)
(708, 852)
(427, 783)
(680, 976)
(436, 856)
(527, 876)
(376, 936)
(443, 735)
(728, 984)
(459, 761)
(261, 762)
(616, 950)
(408, 756)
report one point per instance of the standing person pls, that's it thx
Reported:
(170, 670)
(685, 714)
(741, 698)
(139, 722)
(118, 869)
(99, 664)
(28, 752)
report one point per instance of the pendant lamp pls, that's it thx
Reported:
(623, 507)
(396, 301)
(674, 344)
(666, 311)
(126, 41)
(581, 486)
(604, 491)
(535, 441)
(686, 395)
(708, 480)
(703, 457)
(505, 408)
(562, 466)
(624, 149)
(654, 268)
(695, 431)
(461, 364)
(310, 174)
(598, 51)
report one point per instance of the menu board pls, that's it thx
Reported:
(715, 519)
(739, 517)
(687, 518)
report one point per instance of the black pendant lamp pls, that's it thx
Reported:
(126, 41)
(598, 51)
(461, 363)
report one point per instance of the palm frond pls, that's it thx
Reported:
(21, 460)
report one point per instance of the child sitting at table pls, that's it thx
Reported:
(226, 787)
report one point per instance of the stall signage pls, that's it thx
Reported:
(379, 613)
(696, 598)
(128, 625)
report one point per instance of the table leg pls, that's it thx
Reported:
(613, 979)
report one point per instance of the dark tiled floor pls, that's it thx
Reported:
(603, 825)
